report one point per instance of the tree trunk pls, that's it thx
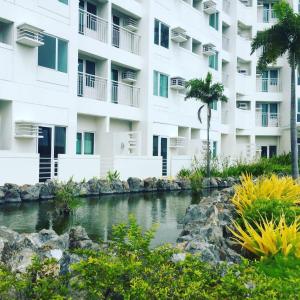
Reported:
(293, 125)
(208, 142)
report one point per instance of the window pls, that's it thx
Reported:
(298, 110)
(64, 1)
(214, 20)
(86, 145)
(155, 145)
(53, 54)
(213, 61)
(268, 151)
(161, 34)
(160, 84)
(214, 105)
(6, 32)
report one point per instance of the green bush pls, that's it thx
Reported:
(271, 210)
(196, 181)
(184, 173)
(112, 175)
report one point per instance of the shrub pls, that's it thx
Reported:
(196, 181)
(112, 175)
(267, 188)
(270, 210)
(268, 238)
(184, 173)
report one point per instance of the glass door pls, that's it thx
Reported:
(45, 152)
(116, 31)
(114, 85)
(264, 82)
(264, 115)
(164, 154)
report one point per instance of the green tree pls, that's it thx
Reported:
(280, 39)
(207, 92)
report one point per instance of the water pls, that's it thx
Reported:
(98, 215)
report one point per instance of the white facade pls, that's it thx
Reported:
(92, 86)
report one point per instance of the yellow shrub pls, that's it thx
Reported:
(269, 239)
(266, 188)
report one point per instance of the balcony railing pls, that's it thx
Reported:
(225, 42)
(124, 39)
(267, 16)
(92, 26)
(91, 86)
(125, 94)
(268, 85)
(267, 119)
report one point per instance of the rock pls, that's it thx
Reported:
(67, 260)
(47, 191)
(150, 184)
(30, 192)
(57, 254)
(209, 183)
(162, 185)
(117, 186)
(78, 238)
(178, 257)
(126, 188)
(2, 195)
(184, 184)
(231, 181)
(93, 187)
(104, 187)
(12, 195)
(21, 260)
(83, 189)
(135, 184)
(173, 186)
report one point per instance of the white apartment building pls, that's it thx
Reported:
(95, 85)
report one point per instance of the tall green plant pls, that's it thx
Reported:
(207, 92)
(283, 38)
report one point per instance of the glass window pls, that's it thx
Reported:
(214, 20)
(88, 143)
(155, 83)
(214, 105)
(46, 55)
(53, 54)
(59, 141)
(79, 143)
(160, 84)
(64, 1)
(213, 61)
(272, 151)
(161, 34)
(298, 110)
(155, 145)
(264, 151)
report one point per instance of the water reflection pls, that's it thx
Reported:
(98, 215)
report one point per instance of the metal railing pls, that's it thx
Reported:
(225, 42)
(164, 167)
(48, 168)
(125, 94)
(125, 39)
(226, 6)
(93, 26)
(268, 16)
(91, 86)
(267, 119)
(268, 85)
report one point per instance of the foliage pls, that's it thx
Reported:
(270, 210)
(129, 269)
(184, 173)
(268, 238)
(112, 175)
(65, 199)
(196, 181)
(267, 188)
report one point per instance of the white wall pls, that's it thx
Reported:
(179, 162)
(78, 166)
(138, 166)
(19, 168)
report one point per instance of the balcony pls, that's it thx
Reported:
(125, 94)
(268, 85)
(93, 26)
(91, 86)
(263, 119)
(125, 39)
(243, 119)
(266, 16)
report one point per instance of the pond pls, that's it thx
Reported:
(98, 215)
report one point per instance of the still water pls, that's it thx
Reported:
(98, 215)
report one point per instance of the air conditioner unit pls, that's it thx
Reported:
(130, 24)
(29, 35)
(243, 71)
(27, 129)
(209, 49)
(129, 76)
(177, 83)
(209, 7)
(178, 35)
(243, 105)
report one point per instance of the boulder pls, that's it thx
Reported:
(2, 195)
(126, 188)
(104, 187)
(209, 183)
(173, 185)
(117, 186)
(30, 192)
(12, 193)
(93, 187)
(78, 238)
(150, 184)
(47, 191)
(135, 184)
(163, 185)
(184, 184)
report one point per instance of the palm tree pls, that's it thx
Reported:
(283, 38)
(207, 92)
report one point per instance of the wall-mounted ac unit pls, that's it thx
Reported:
(209, 49)
(129, 76)
(209, 7)
(178, 35)
(177, 83)
(27, 129)
(29, 35)
(130, 24)
(243, 71)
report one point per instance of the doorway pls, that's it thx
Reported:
(160, 148)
